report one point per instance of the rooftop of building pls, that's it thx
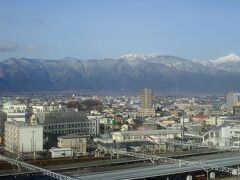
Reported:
(126, 144)
(232, 117)
(21, 124)
(72, 136)
(150, 132)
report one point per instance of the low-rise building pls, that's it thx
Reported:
(200, 118)
(167, 122)
(76, 142)
(224, 136)
(61, 152)
(211, 121)
(38, 108)
(155, 135)
(146, 112)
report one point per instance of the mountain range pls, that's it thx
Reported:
(128, 72)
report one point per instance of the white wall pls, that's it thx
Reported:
(61, 152)
(16, 116)
(225, 132)
(26, 138)
(39, 108)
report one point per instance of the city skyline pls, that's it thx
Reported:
(106, 29)
(130, 89)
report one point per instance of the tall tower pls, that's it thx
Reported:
(146, 106)
(232, 100)
(146, 97)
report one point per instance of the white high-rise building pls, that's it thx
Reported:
(15, 112)
(22, 138)
(232, 100)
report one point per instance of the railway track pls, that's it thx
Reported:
(68, 164)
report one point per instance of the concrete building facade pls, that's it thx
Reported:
(15, 112)
(3, 118)
(21, 138)
(232, 100)
(75, 142)
(236, 109)
(61, 123)
(146, 106)
(149, 135)
(146, 97)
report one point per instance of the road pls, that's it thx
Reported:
(158, 170)
(131, 166)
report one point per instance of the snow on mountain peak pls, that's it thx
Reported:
(135, 56)
(229, 58)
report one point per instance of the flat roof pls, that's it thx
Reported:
(150, 132)
(71, 136)
(60, 149)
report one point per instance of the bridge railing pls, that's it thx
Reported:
(202, 165)
(35, 168)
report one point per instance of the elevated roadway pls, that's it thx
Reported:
(158, 170)
(33, 168)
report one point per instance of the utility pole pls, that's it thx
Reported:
(33, 145)
(183, 117)
(80, 151)
(71, 149)
(22, 148)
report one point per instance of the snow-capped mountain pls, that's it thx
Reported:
(230, 63)
(231, 58)
(129, 72)
(207, 63)
(132, 57)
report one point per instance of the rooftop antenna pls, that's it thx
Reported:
(33, 145)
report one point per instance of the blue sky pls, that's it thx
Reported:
(85, 29)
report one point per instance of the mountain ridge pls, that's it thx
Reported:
(160, 72)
